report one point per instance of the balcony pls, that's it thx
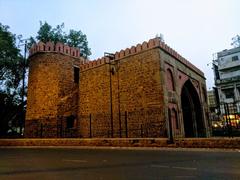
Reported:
(229, 65)
(227, 80)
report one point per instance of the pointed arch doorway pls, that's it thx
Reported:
(192, 111)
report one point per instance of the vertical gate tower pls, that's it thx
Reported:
(148, 90)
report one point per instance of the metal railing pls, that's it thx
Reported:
(135, 124)
(227, 122)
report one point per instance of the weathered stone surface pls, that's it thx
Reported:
(135, 88)
(52, 94)
(128, 96)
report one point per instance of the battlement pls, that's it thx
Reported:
(152, 43)
(51, 47)
(94, 63)
(86, 64)
(67, 94)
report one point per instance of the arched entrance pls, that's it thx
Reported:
(192, 111)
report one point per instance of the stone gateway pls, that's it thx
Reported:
(148, 90)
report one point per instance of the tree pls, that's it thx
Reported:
(73, 38)
(79, 40)
(236, 41)
(11, 63)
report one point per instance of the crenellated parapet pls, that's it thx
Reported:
(86, 64)
(94, 63)
(152, 43)
(52, 47)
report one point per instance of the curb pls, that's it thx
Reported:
(222, 143)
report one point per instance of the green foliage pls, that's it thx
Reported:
(10, 113)
(78, 39)
(73, 38)
(11, 63)
(236, 41)
(45, 32)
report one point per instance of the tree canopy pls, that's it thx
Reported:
(74, 38)
(11, 63)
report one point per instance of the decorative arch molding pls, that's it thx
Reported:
(169, 77)
(170, 80)
(182, 78)
(174, 116)
(193, 118)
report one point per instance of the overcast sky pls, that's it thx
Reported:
(194, 28)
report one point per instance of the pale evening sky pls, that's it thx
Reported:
(194, 28)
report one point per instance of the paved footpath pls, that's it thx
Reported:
(227, 143)
(118, 163)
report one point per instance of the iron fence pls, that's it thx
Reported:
(227, 121)
(145, 123)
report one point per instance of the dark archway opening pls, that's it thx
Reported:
(192, 111)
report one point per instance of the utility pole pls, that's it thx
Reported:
(22, 121)
(111, 72)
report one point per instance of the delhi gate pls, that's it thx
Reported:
(147, 90)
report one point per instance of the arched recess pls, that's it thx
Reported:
(192, 111)
(170, 81)
(175, 118)
(170, 124)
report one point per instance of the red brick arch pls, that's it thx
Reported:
(192, 111)
(170, 80)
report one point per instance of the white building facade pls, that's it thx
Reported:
(227, 77)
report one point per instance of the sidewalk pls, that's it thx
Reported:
(226, 143)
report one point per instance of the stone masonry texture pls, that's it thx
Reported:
(125, 95)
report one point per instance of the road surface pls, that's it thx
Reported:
(111, 164)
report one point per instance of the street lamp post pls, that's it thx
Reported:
(22, 121)
(111, 72)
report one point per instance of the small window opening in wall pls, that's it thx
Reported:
(70, 121)
(73, 53)
(66, 51)
(49, 48)
(59, 49)
(235, 58)
(229, 93)
(76, 75)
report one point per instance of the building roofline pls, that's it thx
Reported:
(75, 52)
(151, 44)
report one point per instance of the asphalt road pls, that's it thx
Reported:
(72, 163)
